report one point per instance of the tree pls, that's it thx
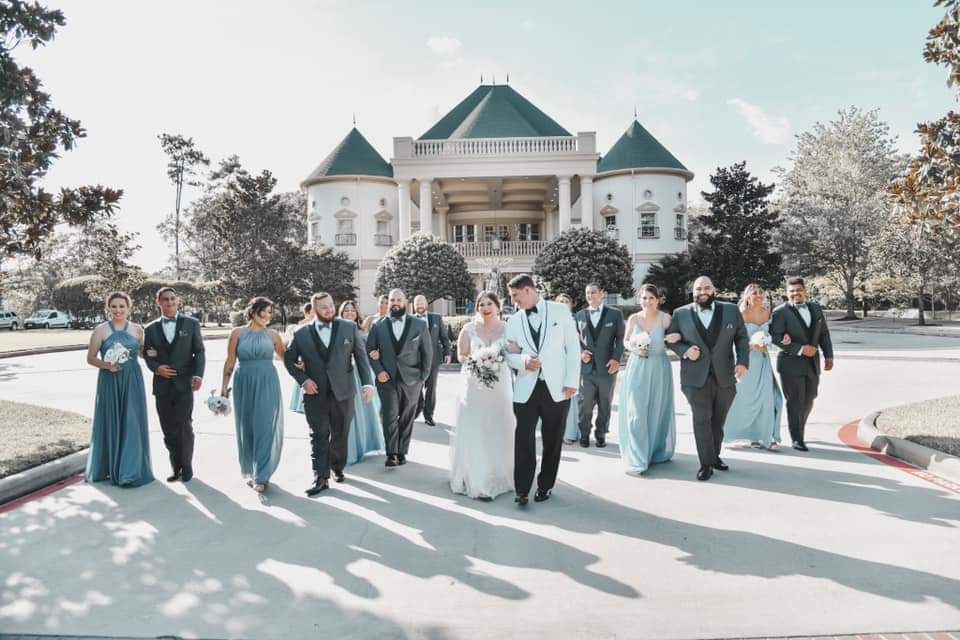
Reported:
(673, 275)
(184, 159)
(111, 251)
(33, 133)
(423, 265)
(578, 257)
(71, 295)
(733, 244)
(835, 198)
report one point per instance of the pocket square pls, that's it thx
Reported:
(609, 324)
(346, 341)
(730, 326)
(415, 339)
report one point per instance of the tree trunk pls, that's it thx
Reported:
(851, 304)
(864, 305)
(921, 320)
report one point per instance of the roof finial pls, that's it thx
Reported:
(634, 112)
(508, 77)
(481, 77)
(494, 78)
(354, 119)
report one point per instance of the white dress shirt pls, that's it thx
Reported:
(705, 315)
(398, 325)
(595, 315)
(323, 332)
(804, 312)
(169, 328)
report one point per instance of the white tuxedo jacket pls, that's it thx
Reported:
(558, 349)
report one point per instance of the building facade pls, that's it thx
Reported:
(497, 178)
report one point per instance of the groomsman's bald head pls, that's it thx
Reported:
(398, 303)
(704, 292)
(420, 305)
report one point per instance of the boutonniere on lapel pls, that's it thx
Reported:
(346, 341)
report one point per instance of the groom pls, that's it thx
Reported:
(710, 331)
(544, 350)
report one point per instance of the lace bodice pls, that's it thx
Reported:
(477, 342)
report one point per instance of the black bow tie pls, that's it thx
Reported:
(323, 325)
(400, 319)
(531, 311)
(169, 320)
(801, 306)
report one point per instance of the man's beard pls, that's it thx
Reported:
(421, 312)
(397, 312)
(705, 303)
(327, 317)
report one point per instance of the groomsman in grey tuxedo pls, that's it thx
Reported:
(440, 341)
(402, 357)
(710, 332)
(799, 361)
(601, 342)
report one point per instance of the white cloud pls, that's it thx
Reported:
(444, 45)
(769, 129)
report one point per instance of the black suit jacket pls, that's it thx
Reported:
(604, 342)
(331, 366)
(185, 354)
(409, 359)
(786, 320)
(439, 337)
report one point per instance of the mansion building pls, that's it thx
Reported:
(497, 178)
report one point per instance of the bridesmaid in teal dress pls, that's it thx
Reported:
(571, 433)
(257, 399)
(366, 434)
(755, 413)
(296, 397)
(647, 429)
(119, 443)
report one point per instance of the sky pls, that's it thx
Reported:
(279, 83)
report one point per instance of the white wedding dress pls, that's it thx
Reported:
(481, 449)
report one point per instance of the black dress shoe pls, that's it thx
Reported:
(186, 475)
(521, 500)
(800, 445)
(720, 465)
(391, 461)
(338, 476)
(321, 484)
(174, 477)
(601, 442)
(585, 443)
(430, 422)
(541, 496)
(704, 473)
(401, 459)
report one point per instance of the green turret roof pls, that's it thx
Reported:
(494, 111)
(354, 156)
(638, 149)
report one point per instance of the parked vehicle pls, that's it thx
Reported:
(47, 319)
(86, 322)
(9, 320)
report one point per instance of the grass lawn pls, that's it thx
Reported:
(33, 435)
(934, 423)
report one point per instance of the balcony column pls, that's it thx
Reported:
(404, 188)
(548, 230)
(442, 221)
(426, 206)
(564, 197)
(586, 202)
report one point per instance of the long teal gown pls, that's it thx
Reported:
(119, 443)
(572, 431)
(256, 406)
(755, 412)
(366, 434)
(648, 428)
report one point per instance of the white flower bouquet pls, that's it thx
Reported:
(484, 365)
(761, 339)
(217, 404)
(117, 354)
(639, 343)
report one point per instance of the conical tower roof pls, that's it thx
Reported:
(638, 149)
(354, 156)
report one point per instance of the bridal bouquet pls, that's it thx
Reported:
(639, 341)
(761, 339)
(217, 404)
(116, 354)
(484, 365)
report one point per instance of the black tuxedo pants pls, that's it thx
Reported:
(329, 420)
(800, 392)
(552, 415)
(428, 396)
(398, 410)
(709, 405)
(175, 410)
(596, 391)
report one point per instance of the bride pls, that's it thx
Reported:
(481, 453)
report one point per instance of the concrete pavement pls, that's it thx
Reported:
(826, 543)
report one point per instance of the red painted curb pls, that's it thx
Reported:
(848, 436)
(40, 493)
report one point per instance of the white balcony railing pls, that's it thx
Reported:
(493, 146)
(512, 248)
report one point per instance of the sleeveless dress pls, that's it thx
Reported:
(755, 412)
(366, 434)
(648, 429)
(481, 449)
(119, 442)
(256, 405)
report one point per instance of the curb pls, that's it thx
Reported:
(937, 462)
(35, 351)
(932, 332)
(48, 473)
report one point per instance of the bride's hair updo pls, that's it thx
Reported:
(491, 296)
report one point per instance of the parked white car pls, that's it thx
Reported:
(9, 320)
(47, 319)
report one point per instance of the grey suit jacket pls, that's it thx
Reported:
(412, 362)
(185, 355)
(439, 337)
(733, 338)
(786, 320)
(332, 366)
(609, 343)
